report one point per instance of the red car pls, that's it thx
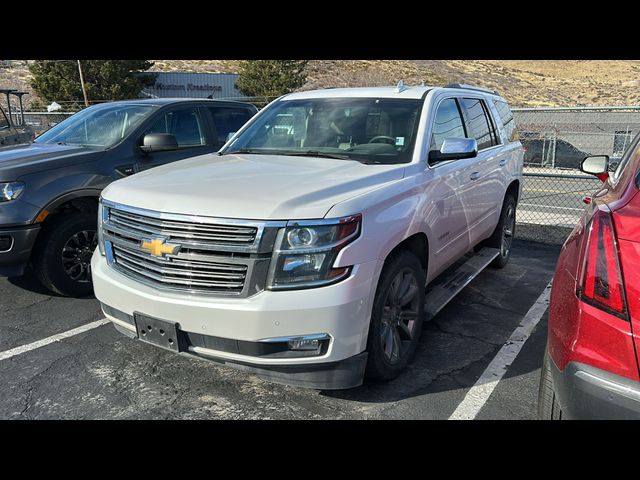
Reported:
(590, 369)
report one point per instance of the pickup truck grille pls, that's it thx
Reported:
(198, 255)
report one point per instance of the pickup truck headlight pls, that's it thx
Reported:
(306, 251)
(10, 190)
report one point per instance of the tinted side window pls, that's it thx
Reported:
(507, 120)
(228, 119)
(447, 124)
(478, 124)
(184, 123)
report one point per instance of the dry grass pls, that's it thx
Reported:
(524, 83)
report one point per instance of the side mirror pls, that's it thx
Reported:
(229, 135)
(158, 142)
(597, 165)
(455, 149)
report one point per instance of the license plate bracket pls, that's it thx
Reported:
(160, 333)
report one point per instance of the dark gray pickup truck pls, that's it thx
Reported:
(49, 189)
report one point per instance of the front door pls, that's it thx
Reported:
(448, 212)
(188, 126)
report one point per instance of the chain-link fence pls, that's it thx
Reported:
(555, 142)
(42, 121)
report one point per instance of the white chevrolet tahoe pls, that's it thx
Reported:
(304, 250)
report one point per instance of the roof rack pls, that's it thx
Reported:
(470, 87)
(400, 87)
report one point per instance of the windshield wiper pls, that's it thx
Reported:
(315, 153)
(246, 150)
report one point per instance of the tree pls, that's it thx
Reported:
(59, 80)
(269, 79)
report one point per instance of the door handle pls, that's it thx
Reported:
(474, 176)
(502, 162)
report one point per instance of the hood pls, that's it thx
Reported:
(260, 187)
(23, 159)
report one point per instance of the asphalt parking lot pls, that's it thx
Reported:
(101, 374)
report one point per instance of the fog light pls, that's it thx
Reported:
(303, 344)
(5, 243)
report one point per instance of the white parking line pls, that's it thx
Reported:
(55, 338)
(478, 394)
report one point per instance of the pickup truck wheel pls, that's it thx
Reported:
(397, 317)
(63, 257)
(503, 234)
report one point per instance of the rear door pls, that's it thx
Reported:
(484, 183)
(188, 125)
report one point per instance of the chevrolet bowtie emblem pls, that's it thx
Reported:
(158, 248)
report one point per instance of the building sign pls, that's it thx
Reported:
(206, 87)
(193, 85)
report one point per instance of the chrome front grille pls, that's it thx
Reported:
(214, 256)
(191, 232)
(194, 275)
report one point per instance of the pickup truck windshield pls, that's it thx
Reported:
(368, 130)
(99, 126)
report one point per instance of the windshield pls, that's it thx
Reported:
(99, 126)
(369, 130)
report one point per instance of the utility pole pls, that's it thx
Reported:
(84, 90)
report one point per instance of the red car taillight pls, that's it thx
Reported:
(601, 283)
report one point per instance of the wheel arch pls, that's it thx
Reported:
(418, 244)
(514, 189)
(84, 200)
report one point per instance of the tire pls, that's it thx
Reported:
(54, 254)
(548, 406)
(394, 332)
(502, 236)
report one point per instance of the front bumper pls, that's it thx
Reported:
(342, 311)
(586, 392)
(14, 260)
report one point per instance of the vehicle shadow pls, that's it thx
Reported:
(30, 282)
(434, 370)
(460, 342)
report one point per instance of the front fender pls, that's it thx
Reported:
(390, 214)
(47, 191)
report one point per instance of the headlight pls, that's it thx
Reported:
(10, 190)
(306, 251)
(101, 212)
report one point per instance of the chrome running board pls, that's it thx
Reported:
(452, 281)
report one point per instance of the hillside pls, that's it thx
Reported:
(524, 83)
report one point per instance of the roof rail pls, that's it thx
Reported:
(470, 87)
(400, 87)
